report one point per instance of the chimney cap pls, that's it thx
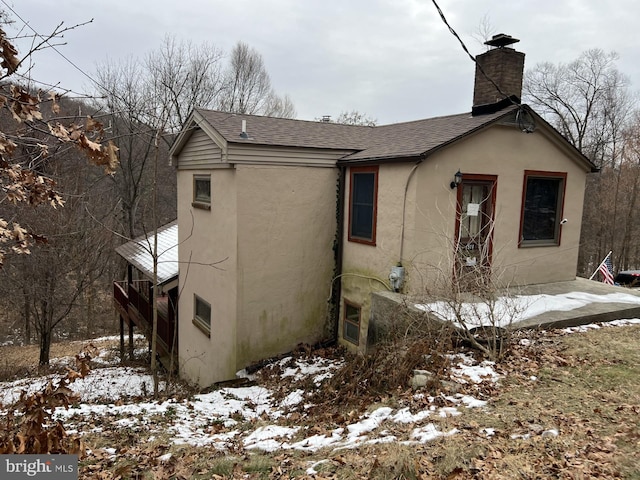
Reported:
(501, 40)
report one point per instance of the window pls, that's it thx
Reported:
(202, 191)
(542, 206)
(202, 315)
(351, 330)
(363, 196)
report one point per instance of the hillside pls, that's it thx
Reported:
(563, 404)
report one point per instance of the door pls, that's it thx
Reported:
(474, 230)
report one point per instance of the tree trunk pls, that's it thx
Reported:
(154, 296)
(131, 352)
(27, 318)
(45, 346)
(121, 338)
(46, 330)
(90, 314)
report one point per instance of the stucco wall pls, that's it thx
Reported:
(271, 228)
(507, 153)
(366, 268)
(286, 229)
(206, 237)
(430, 218)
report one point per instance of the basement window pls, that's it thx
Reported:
(542, 207)
(351, 327)
(202, 315)
(202, 192)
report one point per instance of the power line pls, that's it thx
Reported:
(46, 40)
(78, 95)
(473, 59)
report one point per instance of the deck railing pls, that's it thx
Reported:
(143, 315)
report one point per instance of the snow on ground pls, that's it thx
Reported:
(467, 370)
(299, 369)
(112, 396)
(595, 326)
(509, 310)
(104, 384)
(251, 416)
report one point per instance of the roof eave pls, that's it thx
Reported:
(380, 160)
(423, 155)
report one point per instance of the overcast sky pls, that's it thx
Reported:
(394, 60)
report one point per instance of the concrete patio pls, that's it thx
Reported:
(591, 313)
(388, 307)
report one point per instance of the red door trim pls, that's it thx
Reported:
(471, 178)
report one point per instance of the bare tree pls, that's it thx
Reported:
(38, 141)
(247, 86)
(147, 97)
(125, 96)
(610, 220)
(587, 100)
(279, 106)
(355, 117)
(20, 180)
(144, 97)
(56, 275)
(484, 31)
(183, 76)
(49, 285)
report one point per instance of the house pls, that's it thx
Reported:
(287, 227)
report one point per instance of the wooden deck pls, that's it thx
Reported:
(136, 310)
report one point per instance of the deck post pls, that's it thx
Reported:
(130, 340)
(121, 338)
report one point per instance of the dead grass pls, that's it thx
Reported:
(584, 386)
(22, 361)
(587, 388)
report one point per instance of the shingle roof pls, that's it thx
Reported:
(287, 132)
(399, 140)
(138, 252)
(415, 138)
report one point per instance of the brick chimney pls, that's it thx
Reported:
(505, 66)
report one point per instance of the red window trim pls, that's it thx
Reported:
(369, 169)
(542, 173)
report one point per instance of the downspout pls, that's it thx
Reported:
(404, 207)
(338, 250)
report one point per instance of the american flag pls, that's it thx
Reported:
(606, 270)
